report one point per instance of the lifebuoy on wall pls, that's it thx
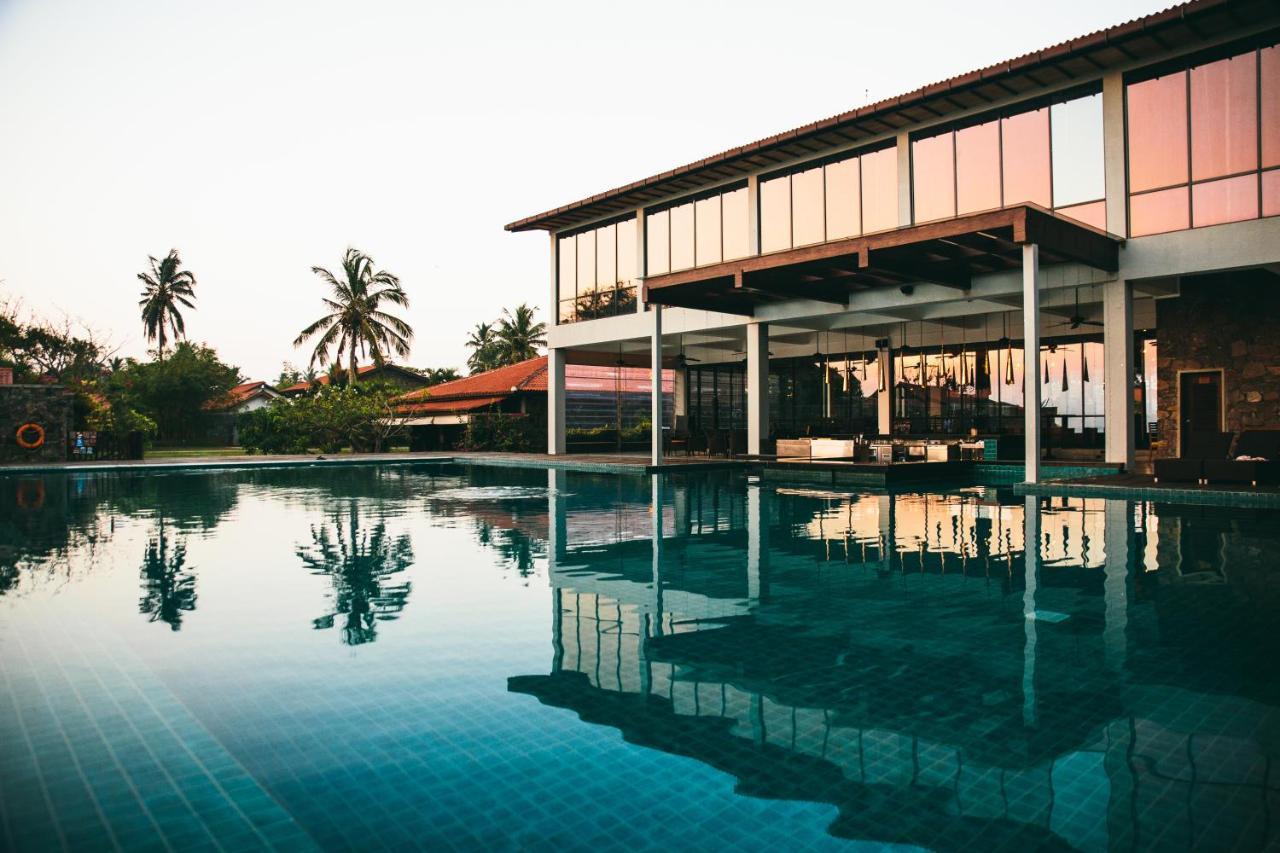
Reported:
(30, 436)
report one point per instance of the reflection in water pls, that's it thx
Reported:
(902, 658)
(168, 587)
(360, 565)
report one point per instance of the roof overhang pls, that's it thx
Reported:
(949, 253)
(1181, 28)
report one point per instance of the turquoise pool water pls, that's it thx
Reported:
(446, 657)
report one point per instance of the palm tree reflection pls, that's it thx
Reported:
(359, 564)
(517, 548)
(168, 588)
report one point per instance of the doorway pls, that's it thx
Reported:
(1199, 402)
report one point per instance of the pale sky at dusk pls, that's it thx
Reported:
(262, 138)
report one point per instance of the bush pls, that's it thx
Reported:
(505, 433)
(359, 417)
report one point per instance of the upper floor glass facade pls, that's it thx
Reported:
(596, 271)
(1051, 156)
(1204, 143)
(703, 230)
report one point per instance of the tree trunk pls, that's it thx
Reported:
(351, 363)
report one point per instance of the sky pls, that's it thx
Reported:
(263, 138)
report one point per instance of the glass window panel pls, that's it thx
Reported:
(1228, 200)
(1271, 193)
(657, 239)
(707, 214)
(682, 236)
(978, 167)
(1157, 128)
(933, 177)
(1270, 106)
(1094, 213)
(568, 263)
(586, 262)
(606, 256)
(844, 214)
(1155, 213)
(735, 223)
(1077, 151)
(775, 214)
(627, 250)
(1224, 117)
(807, 208)
(880, 190)
(1024, 141)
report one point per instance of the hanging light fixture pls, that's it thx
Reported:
(1084, 366)
(1008, 368)
(1046, 371)
(1064, 372)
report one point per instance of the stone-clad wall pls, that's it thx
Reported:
(1229, 321)
(46, 405)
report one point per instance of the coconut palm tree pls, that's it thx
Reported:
(356, 322)
(483, 344)
(519, 336)
(165, 287)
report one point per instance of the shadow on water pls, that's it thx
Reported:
(168, 585)
(908, 659)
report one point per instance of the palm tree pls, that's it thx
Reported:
(166, 287)
(483, 344)
(356, 322)
(520, 336)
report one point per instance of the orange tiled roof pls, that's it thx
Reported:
(528, 375)
(237, 395)
(430, 407)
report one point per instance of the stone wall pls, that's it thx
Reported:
(1227, 321)
(46, 405)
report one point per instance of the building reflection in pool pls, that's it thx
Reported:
(361, 563)
(899, 657)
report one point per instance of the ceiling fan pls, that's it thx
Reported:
(1076, 320)
(682, 360)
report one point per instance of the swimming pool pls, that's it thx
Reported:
(449, 656)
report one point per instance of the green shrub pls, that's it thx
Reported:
(505, 433)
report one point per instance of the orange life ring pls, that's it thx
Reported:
(29, 443)
(30, 494)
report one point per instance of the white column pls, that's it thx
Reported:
(557, 518)
(1117, 371)
(884, 397)
(642, 257)
(1031, 357)
(904, 178)
(656, 606)
(555, 402)
(655, 380)
(1113, 152)
(757, 386)
(1031, 563)
(886, 521)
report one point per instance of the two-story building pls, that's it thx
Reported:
(1078, 247)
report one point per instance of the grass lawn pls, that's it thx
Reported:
(190, 452)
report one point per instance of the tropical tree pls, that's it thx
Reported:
(356, 322)
(165, 287)
(520, 337)
(484, 346)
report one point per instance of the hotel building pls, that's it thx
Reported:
(1095, 223)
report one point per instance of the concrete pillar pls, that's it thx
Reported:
(655, 381)
(1031, 357)
(1117, 524)
(555, 402)
(884, 397)
(757, 386)
(642, 257)
(904, 178)
(1113, 152)
(1117, 371)
(757, 545)
(885, 519)
(1031, 563)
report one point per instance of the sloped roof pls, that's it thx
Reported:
(528, 375)
(467, 404)
(1183, 25)
(360, 371)
(241, 393)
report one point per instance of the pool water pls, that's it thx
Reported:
(454, 657)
